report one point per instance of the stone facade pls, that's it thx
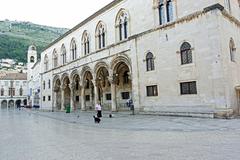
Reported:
(13, 90)
(34, 79)
(170, 57)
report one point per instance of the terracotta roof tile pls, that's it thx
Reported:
(14, 76)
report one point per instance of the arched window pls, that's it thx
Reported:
(169, 7)
(32, 59)
(232, 50)
(64, 54)
(44, 85)
(21, 91)
(122, 23)
(161, 10)
(101, 35)
(165, 10)
(186, 53)
(46, 62)
(86, 43)
(2, 92)
(49, 83)
(73, 49)
(55, 58)
(150, 62)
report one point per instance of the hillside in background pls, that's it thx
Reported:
(15, 38)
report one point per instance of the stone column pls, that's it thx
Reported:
(91, 96)
(55, 90)
(95, 92)
(113, 93)
(83, 104)
(55, 101)
(63, 87)
(72, 86)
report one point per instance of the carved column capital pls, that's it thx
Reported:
(94, 82)
(112, 79)
(63, 87)
(72, 85)
(129, 76)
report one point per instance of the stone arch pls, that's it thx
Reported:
(122, 58)
(64, 54)
(75, 89)
(122, 25)
(66, 91)
(121, 81)
(55, 78)
(4, 104)
(99, 24)
(87, 88)
(102, 84)
(57, 91)
(85, 36)
(122, 10)
(73, 74)
(25, 102)
(86, 42)
(84, 70)
(56, 83)
(64, 75)
(101, 35)
(11, 104)
(100, 65)
(55, 58)
(18, 103)
(73, 48)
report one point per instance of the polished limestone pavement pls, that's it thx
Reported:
(33, 135)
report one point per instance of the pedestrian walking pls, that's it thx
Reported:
(130, 105)
(98, 108)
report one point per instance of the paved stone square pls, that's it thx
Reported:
(33, 135)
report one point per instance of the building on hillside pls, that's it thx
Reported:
(10, 65)
(8, 61)
(33, 77)
(13, 90)
(171, 57)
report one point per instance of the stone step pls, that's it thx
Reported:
(181, 114)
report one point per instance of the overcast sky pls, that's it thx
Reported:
(57, 13)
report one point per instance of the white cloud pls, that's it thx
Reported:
(59, 13)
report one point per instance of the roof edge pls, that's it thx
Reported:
(102, 10)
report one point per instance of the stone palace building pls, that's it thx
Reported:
(13, 90)
(172, 57)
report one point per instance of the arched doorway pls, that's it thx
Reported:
(57, 91)
(11, 104)
(88, 91)
(25, 102)
(76, 91)
(4, 104)
(66, 92)
(123, 84)
(18, 103)
(103, 88)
